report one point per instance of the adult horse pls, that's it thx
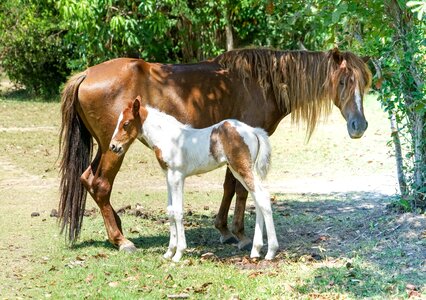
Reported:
(256, 86)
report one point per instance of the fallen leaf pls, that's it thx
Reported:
(168, 277)
(80, 258)
(255, 274)
(131, 278)
(178, 296)
(208, 256)
(100, 255)
(203, 288)
(134, 230)
(89, 278)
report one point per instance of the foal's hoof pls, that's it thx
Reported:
(228, 240)
(128, 248)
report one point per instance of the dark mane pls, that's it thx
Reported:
(303, 82)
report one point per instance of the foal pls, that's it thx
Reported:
(183, 151)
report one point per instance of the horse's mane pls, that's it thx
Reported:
(304, 83)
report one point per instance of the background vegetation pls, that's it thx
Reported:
(43, 41)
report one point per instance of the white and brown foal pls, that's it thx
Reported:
(183, 151)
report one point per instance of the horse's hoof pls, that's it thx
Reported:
(229, 240)
(128, 248)
(245, 246)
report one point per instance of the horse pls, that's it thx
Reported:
(183, 151)
(256, 86)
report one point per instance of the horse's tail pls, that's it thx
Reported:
(75, 143)
(263, 159)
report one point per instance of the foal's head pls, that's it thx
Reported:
(349, 81)
(128, 127)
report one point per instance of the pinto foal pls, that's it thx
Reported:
(183, 151)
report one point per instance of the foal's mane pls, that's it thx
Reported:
(304, 83)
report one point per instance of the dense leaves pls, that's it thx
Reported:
(32, 52)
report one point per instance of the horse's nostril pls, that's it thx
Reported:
(112, 147)
(354, 125)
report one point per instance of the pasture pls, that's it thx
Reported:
(338, 239)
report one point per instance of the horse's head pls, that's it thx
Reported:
(350, 80)
(128, 127)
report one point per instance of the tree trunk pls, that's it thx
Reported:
(228, 30)
(398, 156)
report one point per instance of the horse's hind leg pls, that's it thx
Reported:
(221, 222)
(99, 179)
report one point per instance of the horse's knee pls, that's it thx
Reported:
(101, 188)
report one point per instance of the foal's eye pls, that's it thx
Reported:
(126, 124)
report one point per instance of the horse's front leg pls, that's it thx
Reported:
(99, 186)
(175, 182)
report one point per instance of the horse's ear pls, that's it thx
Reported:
(365, 59)
(337, 56)
(136, 106)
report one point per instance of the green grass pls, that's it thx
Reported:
(334, 245)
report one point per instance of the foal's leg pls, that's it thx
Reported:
(175, 182)
(99, 185)
(263, 213)
(173, 233)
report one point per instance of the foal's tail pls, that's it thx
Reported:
(263, 159)
(75, 143)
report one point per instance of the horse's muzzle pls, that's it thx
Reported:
(357, 127)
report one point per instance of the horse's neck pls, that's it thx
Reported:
(159, 128)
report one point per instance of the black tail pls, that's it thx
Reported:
(75, 143)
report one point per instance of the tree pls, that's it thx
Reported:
(31, 49)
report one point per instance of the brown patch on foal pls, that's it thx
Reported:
(226, 140)
(159, 156)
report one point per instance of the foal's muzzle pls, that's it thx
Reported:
(116, 148)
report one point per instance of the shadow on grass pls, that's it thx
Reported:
(353, 244)
(24, 95)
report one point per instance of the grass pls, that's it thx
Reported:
(337, 240)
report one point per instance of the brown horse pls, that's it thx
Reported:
(256, 86)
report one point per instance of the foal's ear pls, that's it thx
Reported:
(136, 106)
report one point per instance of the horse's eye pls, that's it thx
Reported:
(126, 125)
(342, 82)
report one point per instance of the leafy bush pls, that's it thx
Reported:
(31, 49)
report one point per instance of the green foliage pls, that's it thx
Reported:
(31, 48)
